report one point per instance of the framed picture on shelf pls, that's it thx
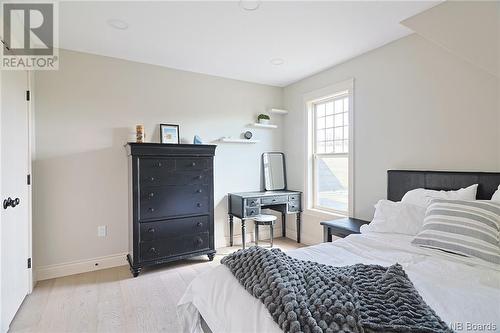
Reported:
(169, 133)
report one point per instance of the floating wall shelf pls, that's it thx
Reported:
(259, 125)
(231, 140)
(278, 111)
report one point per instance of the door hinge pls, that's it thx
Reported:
(29, 262)
(28, 179)
(27, 95)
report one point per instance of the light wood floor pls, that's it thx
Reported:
(110, 300)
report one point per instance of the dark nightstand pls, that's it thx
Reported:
(341, 227)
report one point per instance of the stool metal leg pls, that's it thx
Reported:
(272, 233)
(243, 230)
(231, 230)
(256, 234)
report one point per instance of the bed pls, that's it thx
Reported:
(464, 292)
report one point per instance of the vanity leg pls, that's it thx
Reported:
(231, 230)
(283, 224)
(243, 230)
(256, 234)
(298, 227)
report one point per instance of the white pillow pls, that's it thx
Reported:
(496, 195)
(422, 197)
(396, 217)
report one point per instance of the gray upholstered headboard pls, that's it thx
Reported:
(401, 181)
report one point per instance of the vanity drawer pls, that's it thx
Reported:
(158, 178)
(158, 249)
(294, 197)
(274, 200)
(169, 201)
(249, 212)
(252, 202)
(172, 228)
(294, 206)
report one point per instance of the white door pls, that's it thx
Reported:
(14, 221)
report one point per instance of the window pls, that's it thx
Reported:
(330, 145)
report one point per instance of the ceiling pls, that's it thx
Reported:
(223, 39)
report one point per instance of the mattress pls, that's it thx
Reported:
(464, 292)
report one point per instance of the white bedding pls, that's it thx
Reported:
(460, 290)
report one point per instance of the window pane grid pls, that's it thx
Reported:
(332, 126)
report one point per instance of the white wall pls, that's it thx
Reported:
(416, 106)
(84, 114)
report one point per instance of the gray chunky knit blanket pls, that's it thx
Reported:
(304, 296)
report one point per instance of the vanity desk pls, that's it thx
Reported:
(246, 205)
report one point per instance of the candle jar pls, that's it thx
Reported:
(139, 134)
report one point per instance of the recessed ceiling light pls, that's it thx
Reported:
(277, 61)
(118, 24)
(250, 5)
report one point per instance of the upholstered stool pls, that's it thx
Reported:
(269, 220)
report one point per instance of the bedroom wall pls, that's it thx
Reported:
(85, 113)
(416, 106)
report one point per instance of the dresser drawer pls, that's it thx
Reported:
(157, 165)
(274, 200)
(158, 249)
(159, 178)
(170, 201)
(193, 163)
(294, 197)
(173, 228)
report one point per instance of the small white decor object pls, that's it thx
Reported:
(278, 111)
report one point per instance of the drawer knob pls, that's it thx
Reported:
(199, 241)
(198, 204)
(151, 209)
(159, 165)
(151, 230)
(151, 195)
(200, 177)
(199, 224)
(152, 250)
(252, 212)
(199, 190)
(152, 179)
(193, 164)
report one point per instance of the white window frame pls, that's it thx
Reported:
(310, 192)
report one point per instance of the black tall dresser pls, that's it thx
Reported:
(171, 203)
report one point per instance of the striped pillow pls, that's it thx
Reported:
(468, 228)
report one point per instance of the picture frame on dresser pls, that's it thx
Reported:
(171, 197)
(169, 133)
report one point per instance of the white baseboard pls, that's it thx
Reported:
(82, 266)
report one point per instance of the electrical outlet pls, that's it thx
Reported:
(101, 231)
